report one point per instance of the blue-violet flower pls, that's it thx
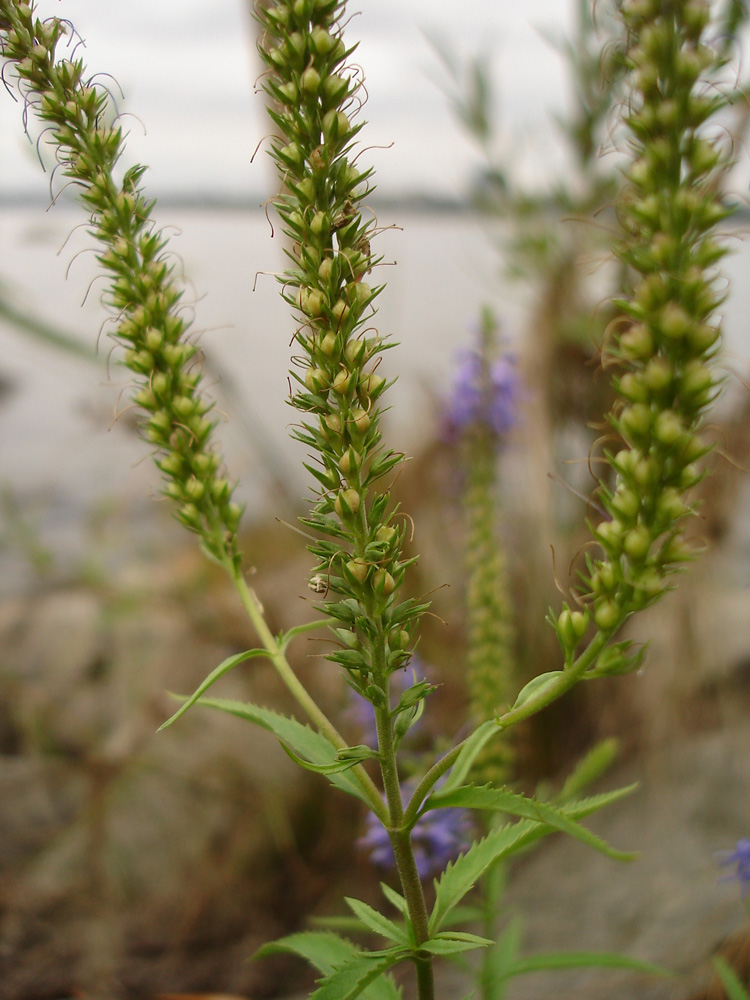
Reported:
(483, 395)
(438, 837)
(741, 858)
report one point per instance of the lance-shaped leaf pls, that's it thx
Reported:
(223, 668)
(378, 923)
(309, 745)
(560, 818)
(461, 875)
(583, 960)
(454, 943)
(329, 952)
(362, 975)
(346, 757)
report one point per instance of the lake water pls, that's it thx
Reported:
(61, 451)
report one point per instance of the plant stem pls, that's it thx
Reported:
(403, 850)
(568, 678)
(297, 689)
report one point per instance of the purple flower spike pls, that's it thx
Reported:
(439, 837)
(493, 405)
(741, 858)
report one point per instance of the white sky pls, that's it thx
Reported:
(188, 76)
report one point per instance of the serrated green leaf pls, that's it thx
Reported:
(453, 943)
(378, 923)
(461, 875)
(514, 804)
(584, 959)
(323, 949)
(223, 668)
(331, 955)
(312, 746)
(363, 972)
(395, 899)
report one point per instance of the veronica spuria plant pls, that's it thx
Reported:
(664, 342)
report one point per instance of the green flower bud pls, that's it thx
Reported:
(626, 503)
(333, 423)
(140, 361)
(347, 503)
(609, 534)
(320, 224)
(371, 386)
(314, 303)
(342, 381)
(669, 507)
(172, 464)
(316, 379)
(603, 579)
(194, 489)
(340, 310)
(335, 125)
(310, 81)
(335, 88)
(674, 322)
(190, 516)
(361, 419)
(690, 476)
(325, 270)
(637, 342)
(637, 543)
(658, 374)
(329, 344)
(350, 462)
(383, 582)
(606, 614)
(635, 422)
(355, 352)
(668, 428)
(646, 473)
(386, 534)
(358, 569)
(321, 41)
(697, 381)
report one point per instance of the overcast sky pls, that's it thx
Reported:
(188, 77)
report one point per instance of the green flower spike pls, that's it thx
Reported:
(338, 388)
(143, 294)
(668, 335)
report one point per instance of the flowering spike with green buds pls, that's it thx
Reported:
(143, 294)
(314, 103)
(670, 207)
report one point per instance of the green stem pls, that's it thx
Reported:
(298, 690)
(568, 678)
(403, 850)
